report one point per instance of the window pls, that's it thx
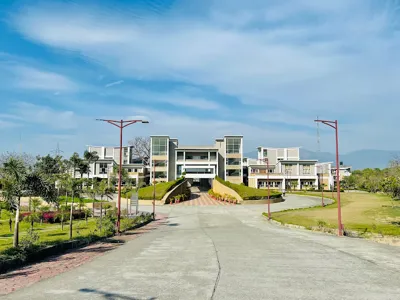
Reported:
(103, 168)
(179, 170)
(160, 174)
(135, 170)
(129, 170)
(179, 155)
(233, 173)
(233, 145)
(306, 170)
(233, 161)
(160, 163)
(213, 156)
(265, 153)
(125, 161)
(159, 146)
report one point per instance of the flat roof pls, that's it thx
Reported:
(196, 148)
(160, 136)
(300, 160)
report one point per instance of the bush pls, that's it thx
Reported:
(249, 193)
(146, 193)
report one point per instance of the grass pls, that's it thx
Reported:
(77, 200)
(367, 213)
(48, 233)
(146, 193)
(249, 193)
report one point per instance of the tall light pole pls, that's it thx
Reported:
(121, 124)
(334, 125)
(154, 190)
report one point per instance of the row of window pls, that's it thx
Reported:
(233, 145)
(233, 173)
(233, 161)
(159, 146)
(271, 184)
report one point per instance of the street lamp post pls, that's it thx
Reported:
(154, 190)
(121, 124)
(334, 125)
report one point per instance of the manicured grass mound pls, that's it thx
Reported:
(249, 193)
(146, 193)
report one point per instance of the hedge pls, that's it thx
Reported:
(146, 193)
(249, 193)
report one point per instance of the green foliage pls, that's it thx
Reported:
(249, 193)
(376, 180)
(162, 188)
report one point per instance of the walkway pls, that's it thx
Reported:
(201, 198)
(231, 252)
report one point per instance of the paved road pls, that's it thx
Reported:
(231, 252)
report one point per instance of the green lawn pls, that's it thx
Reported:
(362, 212)
(146, 193)
(48, 233)
(249, 193)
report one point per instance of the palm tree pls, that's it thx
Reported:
(83, 168)
(103, 191)
(90, 156)
(73, 186)
(14, 173)
(75, 161)
(92, 192)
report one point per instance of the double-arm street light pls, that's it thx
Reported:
(334, 125)
(269, 199)
(121, 124)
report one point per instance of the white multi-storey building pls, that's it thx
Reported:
(103, 168)
(286, 169)
(169, 160)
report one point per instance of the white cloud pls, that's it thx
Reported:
(336, 59)
(114, 83)
(32, 78)
(54, 119)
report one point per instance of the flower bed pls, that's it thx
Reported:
(54, 216)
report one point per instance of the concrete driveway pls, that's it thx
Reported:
(231, 252)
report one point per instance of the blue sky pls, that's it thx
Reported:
(198, 70)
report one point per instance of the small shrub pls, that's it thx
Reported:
(321, 224)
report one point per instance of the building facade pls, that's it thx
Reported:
(285, 170)
(169, 160)
(103, 168)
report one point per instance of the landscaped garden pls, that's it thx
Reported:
(362, 212)
(249, 193)
(42, 205)
(147, 193)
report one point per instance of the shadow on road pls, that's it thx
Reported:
(109, 295)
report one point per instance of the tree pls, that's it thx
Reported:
(75, 161)
(73, 186)
(294, 184)
(104, 192)
(140, 148)
(90, 156)
(115, 175)
(14, 173)
(83, 168)
(92, 192)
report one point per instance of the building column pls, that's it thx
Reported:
(298, 169)
(283, 188)
(299, 183)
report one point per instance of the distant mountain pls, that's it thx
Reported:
(359, 160)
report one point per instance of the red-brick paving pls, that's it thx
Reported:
(202, 199)
(58, 264)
